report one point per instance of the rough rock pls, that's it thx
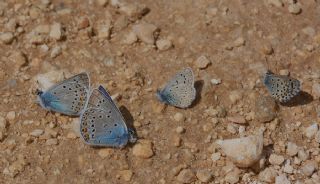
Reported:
(268, 175)
(7, 37)
(245, 151)
(265, 109)
(145, 32)
(37, 132)
(292, 149)
(143, 149)
(276, 159)
(282, 179)
(56, 31)
(186, 176)
(202, 62)
(294, 8)
(309, 167)
(311, 131)
(204, 175)
(163, 44)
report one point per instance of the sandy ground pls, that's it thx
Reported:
(132, 49)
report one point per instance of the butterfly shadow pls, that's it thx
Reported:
(127, 116)
(302, 98)
(198, 85)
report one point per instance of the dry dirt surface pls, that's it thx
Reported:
(132, 48)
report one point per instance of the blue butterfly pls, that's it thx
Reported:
(67, 97)
(282, 88)
(102, 124)
(179, 91)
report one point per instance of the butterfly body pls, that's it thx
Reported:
(67, 97)
(102, 124)
(179, 91)
(282, 88)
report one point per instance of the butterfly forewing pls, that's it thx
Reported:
(282, 88)
(69, 96)
(179, 91)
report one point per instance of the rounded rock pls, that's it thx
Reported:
(163, 44)
(204, 175)
(143, 149)
(179, 117)
(6, 38)
(276, 159)
(186, 176)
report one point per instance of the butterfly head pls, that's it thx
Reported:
(132, 135)
(39, 92)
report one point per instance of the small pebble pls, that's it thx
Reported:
(145, 32)
(180, 130)
(204, 175)
(105, 152)
(287, 167)
(71, 135)
(276, 3)
(163, 44)
(317, 137)
(303, 155)
(276, 159)
(215, 156)
(268, 175)
(37, 132)
(237, 119)
(102, 2)
(239, 42)
(104, 30)
(265, 109)
(143, 149)
(309, 31)
(292, 149)
(215, 81)
(282, 179)
(51, 142)
(7, 37)
(232, 177)
(11, 115)
(179, 117)
(56, 31)
(186, 176)
(309, 167)
(294, 8)
(311, 131)
(56, 51)
(202, 62)
(126, 175)
(130, 38)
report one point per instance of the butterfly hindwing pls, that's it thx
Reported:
(282, 88)
(179, 91)
(67, 97)
(102, 123)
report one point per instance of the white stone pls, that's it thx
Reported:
(268, 175)
(48, 79)
(309, 167)
(277, 3)
(7, 37)
(311, 131)
(145, 32)
(36, 132)
(245, 151)
(309, 31)
(239, 42)
(56, 51)
(11, 115)
(56, 31)
(276, 159)
(292, 149)
(163, 44)
(287, 167)
(294, 8)
(202, 62)
(215, 156)
(282, 179)
(215, 81)
(179, 117)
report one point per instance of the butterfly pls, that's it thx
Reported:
(68, 97)
(282, 88)
(179, 91)
(102, 124)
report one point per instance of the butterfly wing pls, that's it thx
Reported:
(179, 91)
(69, 96)
(100, 128)
(102, 123)
(282, 88)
